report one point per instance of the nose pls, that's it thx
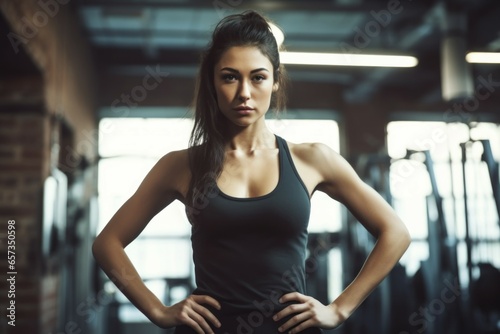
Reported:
(244, 92)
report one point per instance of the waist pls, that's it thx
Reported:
(253, 321)
(266, 304)
(245, 292)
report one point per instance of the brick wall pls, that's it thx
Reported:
(33, 109)
(23, 150)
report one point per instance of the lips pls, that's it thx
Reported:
(243, 108)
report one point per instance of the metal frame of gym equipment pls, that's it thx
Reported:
(440, 270)
(484, 289)
(483, 292)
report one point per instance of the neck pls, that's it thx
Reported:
(250, 138)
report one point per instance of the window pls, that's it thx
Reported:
(411, 187)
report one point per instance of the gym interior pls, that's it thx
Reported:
(94, 92)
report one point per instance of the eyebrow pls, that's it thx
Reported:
(236, 71)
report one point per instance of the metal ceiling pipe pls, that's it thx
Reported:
(456, 75)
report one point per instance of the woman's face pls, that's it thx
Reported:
(244, 83)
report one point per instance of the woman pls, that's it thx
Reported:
(247, 195)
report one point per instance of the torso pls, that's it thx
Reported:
(246, 249)
(249, 238)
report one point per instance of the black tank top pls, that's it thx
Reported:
(248, 252)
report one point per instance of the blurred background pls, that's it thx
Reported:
(94, 92)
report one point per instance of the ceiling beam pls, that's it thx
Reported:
(273, 5)
(370, 84)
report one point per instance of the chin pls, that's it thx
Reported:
(242, 123)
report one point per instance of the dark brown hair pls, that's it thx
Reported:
(206, 152)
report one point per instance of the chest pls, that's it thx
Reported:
(273, 216)
(281, 213)
(246, 176)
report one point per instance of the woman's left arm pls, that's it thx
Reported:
(339, 180)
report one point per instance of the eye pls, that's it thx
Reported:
(228, 77)
(259, 78)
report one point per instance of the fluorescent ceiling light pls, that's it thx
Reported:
(347, 59)
(483, 57)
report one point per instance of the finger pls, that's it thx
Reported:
(201, 322)
(206, 314)
(290, 309)
(293, 296)
(188, 321)
(306, 324)
(296, 319)
(204, 299)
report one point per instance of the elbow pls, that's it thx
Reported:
(104, 246)
(398, 236)
(95, 248)
(405, 237)
(98, 247)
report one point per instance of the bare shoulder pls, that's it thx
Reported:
(316, 155)
(332, 172)
(173, 172)
(175, 159)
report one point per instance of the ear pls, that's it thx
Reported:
(276, 86)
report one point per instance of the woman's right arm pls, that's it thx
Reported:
(166, 181)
